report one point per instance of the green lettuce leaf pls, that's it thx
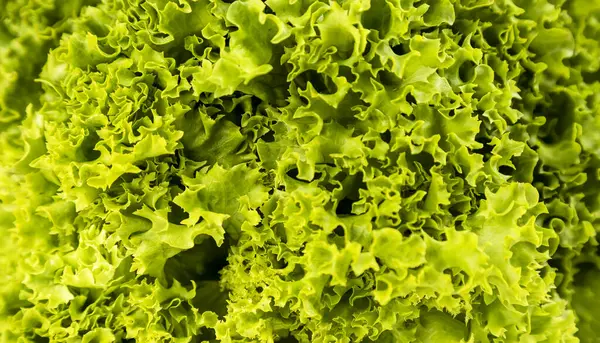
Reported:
(199, 171)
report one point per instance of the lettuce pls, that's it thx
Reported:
(299, 171)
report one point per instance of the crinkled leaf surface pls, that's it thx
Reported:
(386, 171)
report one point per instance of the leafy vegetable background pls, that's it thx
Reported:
(299, 171)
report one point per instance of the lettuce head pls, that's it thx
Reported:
(390, 171)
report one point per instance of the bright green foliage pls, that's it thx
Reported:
(299, 171)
